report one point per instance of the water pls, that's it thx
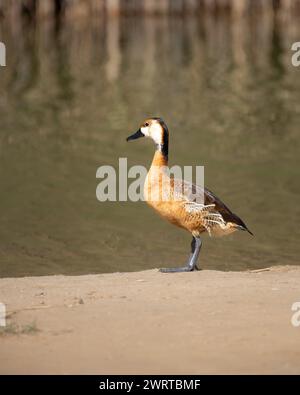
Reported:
(70, 97)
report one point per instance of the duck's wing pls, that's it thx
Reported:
(227, 214)
(199, 198)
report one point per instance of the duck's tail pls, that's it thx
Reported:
(239, 223)
(244, 228)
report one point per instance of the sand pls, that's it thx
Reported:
(152, 323)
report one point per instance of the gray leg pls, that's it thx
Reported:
(192, 261)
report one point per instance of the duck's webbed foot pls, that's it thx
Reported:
(192, 262)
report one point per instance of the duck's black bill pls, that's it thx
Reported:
(135, 135)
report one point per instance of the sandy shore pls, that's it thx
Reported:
(149, 322)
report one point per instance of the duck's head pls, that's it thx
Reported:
(156, 129)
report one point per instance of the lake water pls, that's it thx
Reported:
(70, 97)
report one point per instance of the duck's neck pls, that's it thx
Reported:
(158, 166)
(162, 150)
(159, 159)
(164, 147)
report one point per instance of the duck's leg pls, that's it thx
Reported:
(192, 261)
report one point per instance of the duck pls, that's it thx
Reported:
(175, 199)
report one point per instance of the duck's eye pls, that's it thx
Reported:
(146, 124)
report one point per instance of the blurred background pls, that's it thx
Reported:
(81, 76)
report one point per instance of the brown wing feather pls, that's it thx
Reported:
(227, 214)
(192, 190)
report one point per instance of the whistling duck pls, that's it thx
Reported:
(175, 198)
